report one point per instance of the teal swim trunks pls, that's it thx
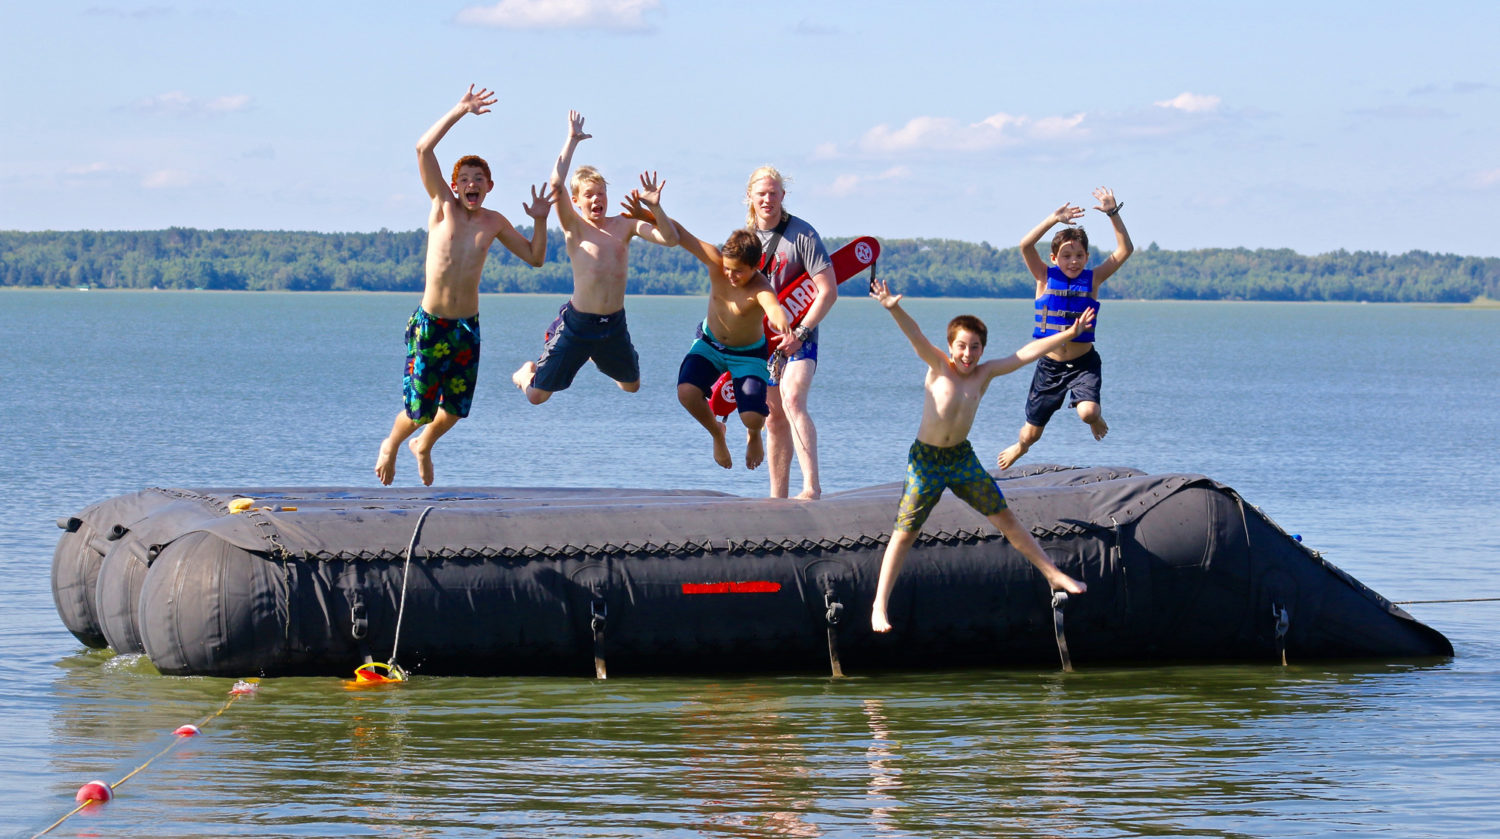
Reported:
(749, 360)
(930, 470)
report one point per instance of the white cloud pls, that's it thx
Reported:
(825, 151)
(845, 185)
(807, 26)
(1183, 115)
(141, 13)
(167, 179)
(226, 104)
(95, 168)
(177, 103)
(1193, 103)
(1488, 179)
(927, 133)
(1399, 111)
(1453, 87)
(617, 15)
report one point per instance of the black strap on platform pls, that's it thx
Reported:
(833, 612)
(1283, 622)
(598, 619)
(1060, 599)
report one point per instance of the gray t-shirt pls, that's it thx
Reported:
(801, 251)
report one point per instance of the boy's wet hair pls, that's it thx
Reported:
(743, 247)
(471, 160)
(585, 175)
(1070, 234)
(972, 324)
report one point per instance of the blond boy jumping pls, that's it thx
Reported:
(591, 325)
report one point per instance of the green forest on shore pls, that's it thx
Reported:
(187, 258)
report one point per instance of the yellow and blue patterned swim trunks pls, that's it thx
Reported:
(931, 469)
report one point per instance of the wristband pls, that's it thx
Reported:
(1116, 210)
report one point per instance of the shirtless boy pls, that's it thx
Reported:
(591, 325)
(1063, 292)
(442, 336)
(941, 458)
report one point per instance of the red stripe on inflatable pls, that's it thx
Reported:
(746, 587)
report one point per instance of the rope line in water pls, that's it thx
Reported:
(241, 688)
(1456, 600)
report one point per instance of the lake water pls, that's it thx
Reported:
(1369, 429)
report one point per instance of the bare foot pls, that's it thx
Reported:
(755, 450)
(424, 460)
(523, 376)
(1099, 427)
(1009, 457)
(1062, 582)
(879, 622)
(385, 464)
(809, 494)
(721, 446)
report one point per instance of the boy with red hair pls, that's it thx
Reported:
(442, 335)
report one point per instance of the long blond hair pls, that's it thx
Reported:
(761, 174)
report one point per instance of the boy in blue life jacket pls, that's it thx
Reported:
(1063, 292)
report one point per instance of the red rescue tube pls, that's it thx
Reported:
(721, 400)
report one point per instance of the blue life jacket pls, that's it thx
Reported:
(1062, 303)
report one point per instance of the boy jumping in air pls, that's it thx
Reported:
(731, 338)
(941, 458)
(442, 336)
(1063, 292)
(591, 325)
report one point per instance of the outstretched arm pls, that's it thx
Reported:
(926, 350)
(706, 252)
(566, 215)
(534, 252)
(432, 173)
(1040, 347)
(1123, 248)
(780, 319)
(662, 231)
(1062, 215)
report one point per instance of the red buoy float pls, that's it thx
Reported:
(94, 791)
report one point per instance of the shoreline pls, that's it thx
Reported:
(1477, 303)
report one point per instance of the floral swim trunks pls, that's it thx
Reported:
(442, 365)
(931, 469)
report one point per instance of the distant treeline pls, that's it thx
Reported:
(184, 258)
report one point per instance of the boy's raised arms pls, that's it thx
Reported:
(533, 252)
(432, 173)
(1123, 247)
(926, 350)
(1036, 349)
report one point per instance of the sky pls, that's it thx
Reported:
(1306, 125)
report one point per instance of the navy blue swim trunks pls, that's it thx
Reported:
(807, 352)
(577, 337)
(1053, 380)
